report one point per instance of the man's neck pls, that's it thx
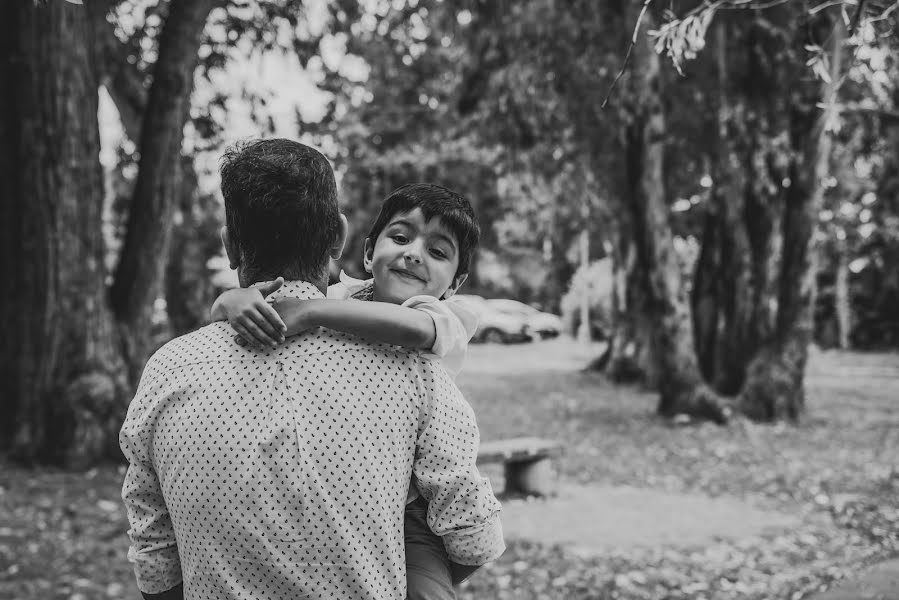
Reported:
(247, 279)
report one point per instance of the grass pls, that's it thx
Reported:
(62, 534)
(837, 469)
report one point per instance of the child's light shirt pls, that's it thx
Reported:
(455, 322)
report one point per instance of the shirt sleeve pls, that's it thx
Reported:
(454, 325)
(462, 509)
(153, 549)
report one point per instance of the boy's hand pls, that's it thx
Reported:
(251, 316)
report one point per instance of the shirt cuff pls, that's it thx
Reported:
(155, 574)
(478, 545)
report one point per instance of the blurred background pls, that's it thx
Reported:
(696, 197)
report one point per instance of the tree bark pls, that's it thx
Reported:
(680, 384)
(65, 385)
(189, 291)
(630, 356)
(138, 275)
(842, 301)
(722, 310)
(774, 386)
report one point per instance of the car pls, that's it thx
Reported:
(544, 324)
(495, 326)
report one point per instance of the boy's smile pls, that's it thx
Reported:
(412, 257)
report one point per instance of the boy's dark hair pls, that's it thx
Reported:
(453, 210)
(280, 207)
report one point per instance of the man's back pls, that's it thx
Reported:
(285, 472)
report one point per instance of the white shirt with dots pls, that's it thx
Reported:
(283, 473)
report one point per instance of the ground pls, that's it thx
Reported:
(834, 480)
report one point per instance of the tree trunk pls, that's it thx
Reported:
(65, 389)
(189, 291)
(67, 383)
(842, 302)
(774, 387)
(630, 355)
(138, 276)
(722, 310)
(680, 385)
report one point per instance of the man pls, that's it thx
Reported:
(284, 474)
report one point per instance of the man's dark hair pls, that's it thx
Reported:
(280, 207)
(453, 210)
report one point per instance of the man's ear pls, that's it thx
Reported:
(336, 249)
(457, 283)
(230, 249)
(368, 255)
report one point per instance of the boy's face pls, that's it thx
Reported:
(413, 257)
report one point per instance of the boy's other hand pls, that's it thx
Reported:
(252, 317)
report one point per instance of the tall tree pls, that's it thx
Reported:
(754, 283)
(72, 350)
(658, 280)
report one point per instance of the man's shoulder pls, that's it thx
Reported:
(337, 346)
(207, 343)
(331, 341)
(217, 342)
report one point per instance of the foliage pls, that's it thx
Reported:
(472, 96)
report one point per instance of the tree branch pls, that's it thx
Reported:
(627, 56)
(123, 81)
(138, 273)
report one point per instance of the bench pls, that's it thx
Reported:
(527, 461)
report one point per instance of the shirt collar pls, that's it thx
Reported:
(352, 284)
(302, 290)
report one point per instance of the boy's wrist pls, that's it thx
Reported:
(314, 313)
(300, 315)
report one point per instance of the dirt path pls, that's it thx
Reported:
(592, 519)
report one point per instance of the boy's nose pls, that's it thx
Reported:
(413, 253)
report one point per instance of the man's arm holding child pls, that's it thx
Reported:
(153, 550)
(462, 509)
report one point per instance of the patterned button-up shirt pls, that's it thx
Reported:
(283, 474)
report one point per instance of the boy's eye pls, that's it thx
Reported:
(399, 238)
(438, 253)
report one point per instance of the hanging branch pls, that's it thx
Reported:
(627, 56)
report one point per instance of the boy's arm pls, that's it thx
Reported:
(455, 323)
(376, 321)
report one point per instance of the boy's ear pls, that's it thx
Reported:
(230, 248)
(457, 283)
(336, 249)
(368, 255)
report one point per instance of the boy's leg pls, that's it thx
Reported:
(428, 575)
